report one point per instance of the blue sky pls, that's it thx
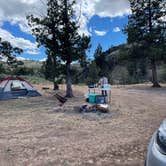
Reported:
(96, 23)
(15, 31)
(103, 20)
(108, 25)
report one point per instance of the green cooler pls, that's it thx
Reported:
(92, 98)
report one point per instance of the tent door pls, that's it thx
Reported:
(18, 93)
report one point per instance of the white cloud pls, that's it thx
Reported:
(26, 45)
(43, 60)
(3, 59)
(15, 11)
(22, 58)
(116, 29)
(1, 23)
(100, 33)
(102, 8)
(112, 8)
(33, 51)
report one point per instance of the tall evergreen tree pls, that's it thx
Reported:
(98, 56)
(98, 51)
(100, 60)
(58, 32)
(52, 68)
(147, 26)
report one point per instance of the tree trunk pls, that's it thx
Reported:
(69, 91)
(154, 74)
(56, 87)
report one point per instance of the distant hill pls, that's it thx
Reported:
(115, 58)
(32, 64)
(25, 66)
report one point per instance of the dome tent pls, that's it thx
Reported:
(14, 87)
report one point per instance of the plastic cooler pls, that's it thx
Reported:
(92, 98)
(101, 99)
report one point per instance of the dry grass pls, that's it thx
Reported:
(34, 133)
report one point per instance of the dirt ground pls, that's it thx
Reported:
(33, 132)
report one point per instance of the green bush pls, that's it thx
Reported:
(23, 71)
(2, 70)
(36, 80)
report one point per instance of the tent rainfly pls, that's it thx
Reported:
(15, 87)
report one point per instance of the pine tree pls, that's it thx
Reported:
(147, 25)
(100, 60)
(58, 32)
(52, 69)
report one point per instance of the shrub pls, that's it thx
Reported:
(23, 71)
(2, 70)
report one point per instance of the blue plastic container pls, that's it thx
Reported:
(92, 98)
